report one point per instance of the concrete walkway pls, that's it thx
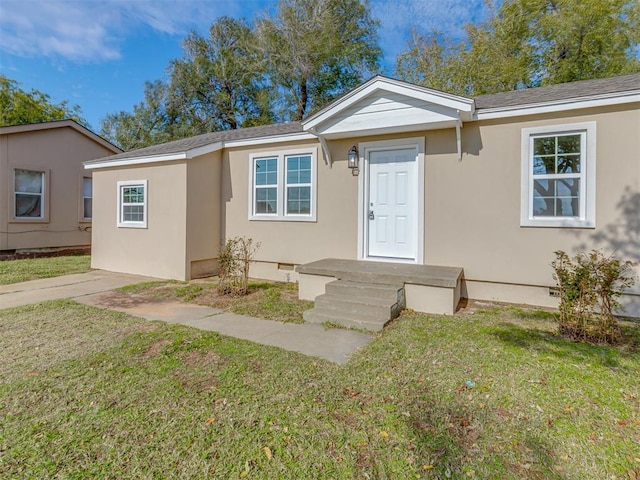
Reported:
(95, 288)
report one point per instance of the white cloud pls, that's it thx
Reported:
(94, 30)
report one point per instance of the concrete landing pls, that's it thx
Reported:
(384, 272)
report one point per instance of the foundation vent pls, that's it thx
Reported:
(554, 292)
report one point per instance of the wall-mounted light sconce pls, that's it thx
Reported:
(352, 160)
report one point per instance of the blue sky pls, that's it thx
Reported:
(98, 53)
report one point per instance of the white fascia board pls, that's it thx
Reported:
(557, 106)
(169, 157)
(462, 104)
(135, 160)
(415, 127)
(291, 137)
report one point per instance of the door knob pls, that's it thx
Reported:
(371, 215)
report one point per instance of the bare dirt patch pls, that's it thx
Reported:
(118, 299)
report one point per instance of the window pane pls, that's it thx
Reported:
(569, 164)
(544, 165)
(544, 146)
(298, 200)
(28, 205)
(133, 213)
(133, 195)
(27, 181)
(266, 172)
(266, 200)
(87, 205)
(556, 198)
(299, 169)
(87, 187)
(569, 144)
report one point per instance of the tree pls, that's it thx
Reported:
(19, 107)
(149, 124)
(220, 82)
(527, 43)
(241, 75)
(316, 50)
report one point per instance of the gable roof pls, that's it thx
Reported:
(385, 105)
(205, 143)
(447, 111)
(32, 127)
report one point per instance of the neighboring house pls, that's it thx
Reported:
(45, 193)
(493, 184)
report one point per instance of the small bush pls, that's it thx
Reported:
(234, 262)
(590, 288)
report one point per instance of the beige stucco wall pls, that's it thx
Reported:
(472, 207)
(60, 152)
(331, 235)
(158, 250)
(203, 215)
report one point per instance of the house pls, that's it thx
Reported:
(483, 190)
(45, 193)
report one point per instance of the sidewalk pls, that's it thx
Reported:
(95, 288)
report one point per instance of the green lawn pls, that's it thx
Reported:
(13, 271)
(87, 393)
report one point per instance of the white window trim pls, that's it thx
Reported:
(282, 184)
(132, 183)
(82, 197)
(44, 209)
(587, 218)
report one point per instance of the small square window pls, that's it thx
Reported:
(132, 204)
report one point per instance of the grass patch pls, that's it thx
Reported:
(14, 271)
(486, 395)
(270, 300)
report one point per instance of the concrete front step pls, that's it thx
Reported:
(374, 308)
(357, 304)
(364, 290)
(350, 320)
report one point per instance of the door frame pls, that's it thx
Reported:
(365, 148)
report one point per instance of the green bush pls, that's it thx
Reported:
(234, 262)
(590, 287)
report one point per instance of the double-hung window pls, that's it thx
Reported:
(283, 186)
(132, 204)
(29, 194)
(558, 176)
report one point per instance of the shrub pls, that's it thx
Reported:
(590, 287)
(234, 262)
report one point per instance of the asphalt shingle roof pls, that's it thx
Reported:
(190, 143)
(563, 91)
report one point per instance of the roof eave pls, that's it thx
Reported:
(590, 101)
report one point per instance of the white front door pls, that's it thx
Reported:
(391, 204)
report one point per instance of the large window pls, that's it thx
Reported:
(558, 176)
(29, 194)
(132, 204)
(87, 198)
(283, 186)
